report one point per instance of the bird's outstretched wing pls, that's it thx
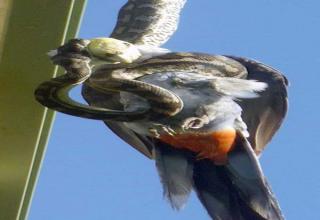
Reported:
(148, 22)
(265, 114)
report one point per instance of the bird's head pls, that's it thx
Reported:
(113, 50)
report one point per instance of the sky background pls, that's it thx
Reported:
(89, 173)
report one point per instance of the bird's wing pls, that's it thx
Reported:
(265, 114)
(148, 22)
(237, 190)
(96, 98)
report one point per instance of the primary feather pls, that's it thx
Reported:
(148, 22)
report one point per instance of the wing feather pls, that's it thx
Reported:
(148, 22)
(265, 114)
(237, 190)
(175, 168)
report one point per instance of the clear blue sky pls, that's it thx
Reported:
(89, 173)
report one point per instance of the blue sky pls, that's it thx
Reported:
(89, 173)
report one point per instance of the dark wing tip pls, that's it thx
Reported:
(265, 114)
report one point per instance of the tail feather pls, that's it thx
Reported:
(247, 177)
(237, 190)
(175, 170)
(211, 186)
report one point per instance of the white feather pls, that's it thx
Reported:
(148, 51)
(238, 88)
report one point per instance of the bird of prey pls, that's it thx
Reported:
(204, 119)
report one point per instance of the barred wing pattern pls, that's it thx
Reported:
(148, 22)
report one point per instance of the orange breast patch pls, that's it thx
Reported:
(214, 146)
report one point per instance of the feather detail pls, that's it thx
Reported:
(229, 86)
(264, 115)
(238, 88)
(175, 171)
(237, 190)
(148, 51)
(148, 22)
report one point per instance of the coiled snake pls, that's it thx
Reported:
(75, 58)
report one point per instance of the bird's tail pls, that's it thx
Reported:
(235, 191)
(175, 168)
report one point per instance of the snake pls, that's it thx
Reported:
(54, 93)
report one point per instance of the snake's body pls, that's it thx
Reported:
(120, 77)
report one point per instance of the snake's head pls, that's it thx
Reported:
(113, 50)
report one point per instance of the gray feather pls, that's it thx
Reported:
(247, 177)
(237, 190)
(175, 171)
(265, 114)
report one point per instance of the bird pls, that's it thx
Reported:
(204, 119)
